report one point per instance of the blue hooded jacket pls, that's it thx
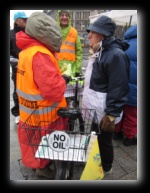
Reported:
(131, 37)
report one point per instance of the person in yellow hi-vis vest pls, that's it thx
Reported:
(71, 48)
(40, 83)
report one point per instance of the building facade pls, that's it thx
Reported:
(80, 21)
(79, 18)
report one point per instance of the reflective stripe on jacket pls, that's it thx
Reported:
(28, 94)
(67, 50)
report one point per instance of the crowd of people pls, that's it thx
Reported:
(45, 54)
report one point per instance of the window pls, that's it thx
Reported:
(78, 25)
(86, 15)
(71, 15)
(78, 15)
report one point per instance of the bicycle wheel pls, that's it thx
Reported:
(78, 169)
(70, 172)
(61, 170)
(64, 170)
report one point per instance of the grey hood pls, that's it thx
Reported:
(45, 29)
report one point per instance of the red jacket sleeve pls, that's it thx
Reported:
(47, 78)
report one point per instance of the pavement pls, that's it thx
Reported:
(124, 166)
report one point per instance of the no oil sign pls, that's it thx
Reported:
(59, 141)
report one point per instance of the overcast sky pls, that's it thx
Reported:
(28, 12)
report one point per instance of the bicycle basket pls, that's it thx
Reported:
(61, 139)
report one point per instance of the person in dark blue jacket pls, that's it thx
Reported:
(128, 125)
(106, 83)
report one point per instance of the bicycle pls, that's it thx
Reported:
(56, 141)
(64, 142)
(73, 95)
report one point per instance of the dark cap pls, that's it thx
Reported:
(103, 25)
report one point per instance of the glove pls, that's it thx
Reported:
(107, 123)
(77, 74)
(66, 72)
(64, 67)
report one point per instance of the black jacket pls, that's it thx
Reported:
(110, 74)
(14, 50)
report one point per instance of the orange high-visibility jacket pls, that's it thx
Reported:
(28, 94)
(67, 50)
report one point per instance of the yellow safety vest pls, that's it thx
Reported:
(67, 50)
(29, 95)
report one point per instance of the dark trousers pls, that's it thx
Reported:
(15, 108)
(106, 147)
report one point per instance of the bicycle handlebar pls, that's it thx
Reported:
(72, 113)
(78, 78)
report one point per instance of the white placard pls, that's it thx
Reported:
(76, 151)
